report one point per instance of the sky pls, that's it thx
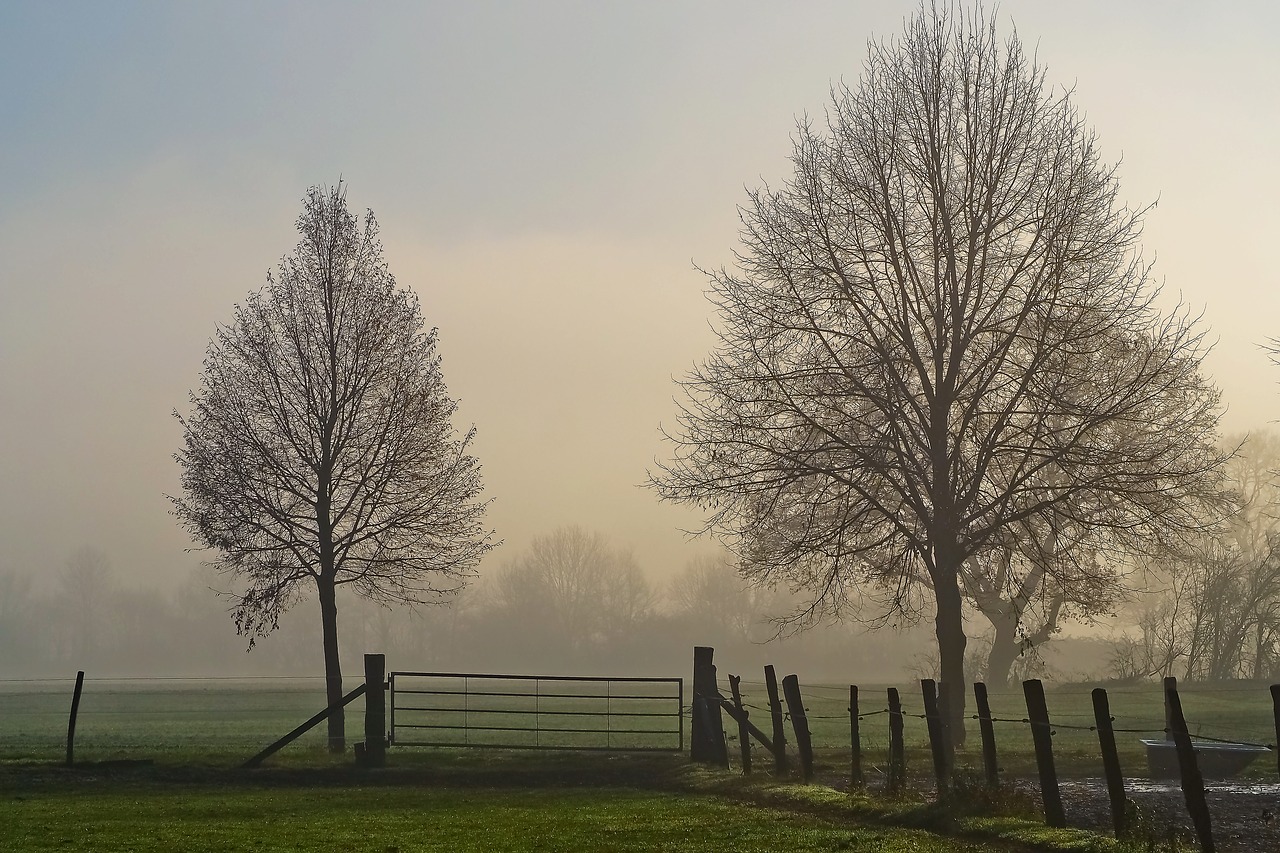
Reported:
(547, 175)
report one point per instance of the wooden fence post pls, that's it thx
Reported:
(779, 731)
(800, 723)
(1275, 710)
(375, 711)
(700, 745)
(71, 723)
(897, 751)
(744, 732)
(986, 727)
(948, 736)
(855, 762)
(706, 734)
(1110, 759)
(1189, 769)
(937, 737)
(1042, 735)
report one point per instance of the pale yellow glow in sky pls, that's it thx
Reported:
(546, 176)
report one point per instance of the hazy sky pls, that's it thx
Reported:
(546, 175)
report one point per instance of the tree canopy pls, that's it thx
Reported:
(320, 447)
(940, 333)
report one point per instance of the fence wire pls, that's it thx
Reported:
(1227, 715)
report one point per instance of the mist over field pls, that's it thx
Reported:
(546, 178)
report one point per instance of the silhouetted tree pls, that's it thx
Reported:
(1212, 607)
(722, 607)
(18, 625)
(320, 447)
(82, 605)
(939, 329)
(1026, 585)
(573, 593)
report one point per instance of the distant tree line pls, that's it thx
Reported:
(574, 603)
(1211, 610)
(571, 603)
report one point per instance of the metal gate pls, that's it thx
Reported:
(536, 711)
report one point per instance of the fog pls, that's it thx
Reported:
(546, 176)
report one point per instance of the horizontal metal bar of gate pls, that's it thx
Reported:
(543, 711)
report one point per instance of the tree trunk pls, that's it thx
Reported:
(332, 664)
(1004, 650)
(949, 628)
(1259, 649)
(1008, 646)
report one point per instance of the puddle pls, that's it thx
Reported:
(1211, 786)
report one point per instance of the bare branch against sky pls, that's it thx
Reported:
(546, 173)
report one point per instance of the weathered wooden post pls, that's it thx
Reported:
(986, 727)
(375, 711)
(948, 736)
(897, 750)
(1275, 710)
(800, 723)
(1110, 759)
(855, 762)
(779, 731)
(744, 730)
(706, 732)
(937, 746)
(1170, 683)
(71, 723)
(1042, 736)
(1189, 769)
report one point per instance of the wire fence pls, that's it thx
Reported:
(1235, 714)
(128, 718)
(186, 718)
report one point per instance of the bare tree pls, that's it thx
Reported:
(940, 328)
(18, 623)
(574, 593)
(710, 594)
(82, 606)
(1212, 606)
(320, 447)
(1028, 584)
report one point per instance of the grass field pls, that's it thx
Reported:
(222, 722)
(193, 734)
(1241, 712)
(209, 720)
(403, 819)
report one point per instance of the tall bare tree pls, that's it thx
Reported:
(320, 447)
(939, 329)
(1037, 576)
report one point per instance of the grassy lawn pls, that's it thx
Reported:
(190, 796)
(222, 723)
(1231, 711)
(97, 817)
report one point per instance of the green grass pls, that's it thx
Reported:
(196, 817)
(183, 721)
(195, 733)
(1232, 711)
(225, 721)
(222, 723)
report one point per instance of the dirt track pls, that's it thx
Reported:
(1246, 817)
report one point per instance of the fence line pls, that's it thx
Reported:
(1232, 721)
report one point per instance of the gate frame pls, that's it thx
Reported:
(678, 714)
